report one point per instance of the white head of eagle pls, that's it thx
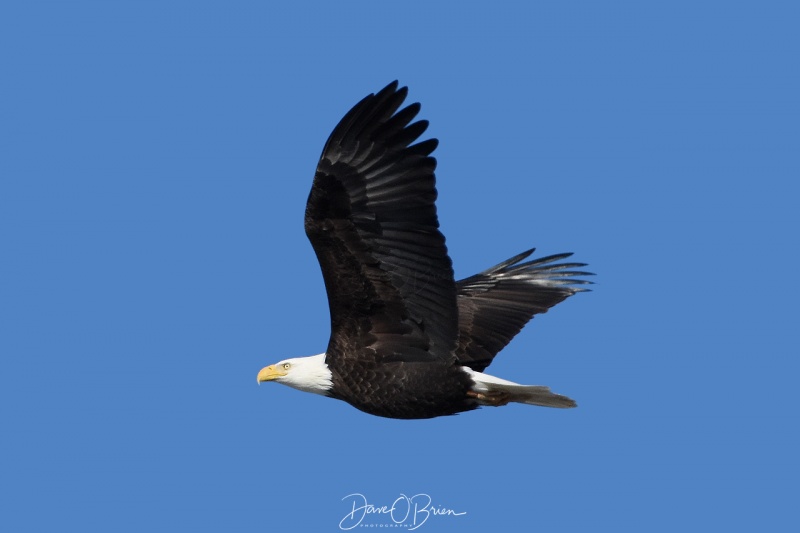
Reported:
(308, 374)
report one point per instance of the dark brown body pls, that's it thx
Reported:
(402, 390)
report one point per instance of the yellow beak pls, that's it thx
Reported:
(270, 373)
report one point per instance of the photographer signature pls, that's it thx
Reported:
(410, 511)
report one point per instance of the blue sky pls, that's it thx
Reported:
(155, 159)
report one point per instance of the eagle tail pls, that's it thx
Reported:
(491, 390)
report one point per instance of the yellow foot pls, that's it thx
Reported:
(495, 399)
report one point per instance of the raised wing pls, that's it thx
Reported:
(495, 305)
(372, 222)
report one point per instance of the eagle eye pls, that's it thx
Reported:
(286, 366)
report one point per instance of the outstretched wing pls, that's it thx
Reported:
(495, 305)
(372, 222)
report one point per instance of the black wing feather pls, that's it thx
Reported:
(495, 305)
(372, 221)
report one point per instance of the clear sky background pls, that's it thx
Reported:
(155, 159)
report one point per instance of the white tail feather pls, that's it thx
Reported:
(527, 394)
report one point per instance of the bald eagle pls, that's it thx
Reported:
(407, 340)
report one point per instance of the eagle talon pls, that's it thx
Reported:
(495, 399)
